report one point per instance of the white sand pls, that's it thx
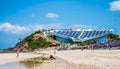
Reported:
(11, 57)
(102, 59)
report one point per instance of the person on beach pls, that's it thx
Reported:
(17, 51)
(52, 57)
(55, 50)
(51, 54)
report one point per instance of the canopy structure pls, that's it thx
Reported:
(100, 36)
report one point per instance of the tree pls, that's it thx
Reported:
(112, 37)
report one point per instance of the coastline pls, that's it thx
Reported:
(11, 57)
(98, 59)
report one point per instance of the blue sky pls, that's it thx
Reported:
(19, 18)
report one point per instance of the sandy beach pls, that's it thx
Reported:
(102, 59)
(98, 59)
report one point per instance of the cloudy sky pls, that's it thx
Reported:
(19, 18)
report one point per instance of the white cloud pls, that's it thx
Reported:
(52, 15)
(115, 5)
(15, 29)
(85, 27)
(89, 29)
(7, 27)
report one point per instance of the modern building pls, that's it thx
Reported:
(76, 36)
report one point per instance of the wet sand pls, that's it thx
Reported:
(58, 63)
(11, 57)
(62, 64)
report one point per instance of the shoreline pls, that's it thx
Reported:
(11, 57)
(58, 63)
(98, 59)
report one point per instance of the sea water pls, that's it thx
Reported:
(12, 65)
(21, 65)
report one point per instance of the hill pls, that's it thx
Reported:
(34, 41)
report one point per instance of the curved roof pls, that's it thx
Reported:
(80, 36)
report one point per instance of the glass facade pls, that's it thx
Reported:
(69, 36)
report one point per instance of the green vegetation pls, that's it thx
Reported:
(36, 43)
(112, 37)
(51, 36)
(86, 43)
(37, 32)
